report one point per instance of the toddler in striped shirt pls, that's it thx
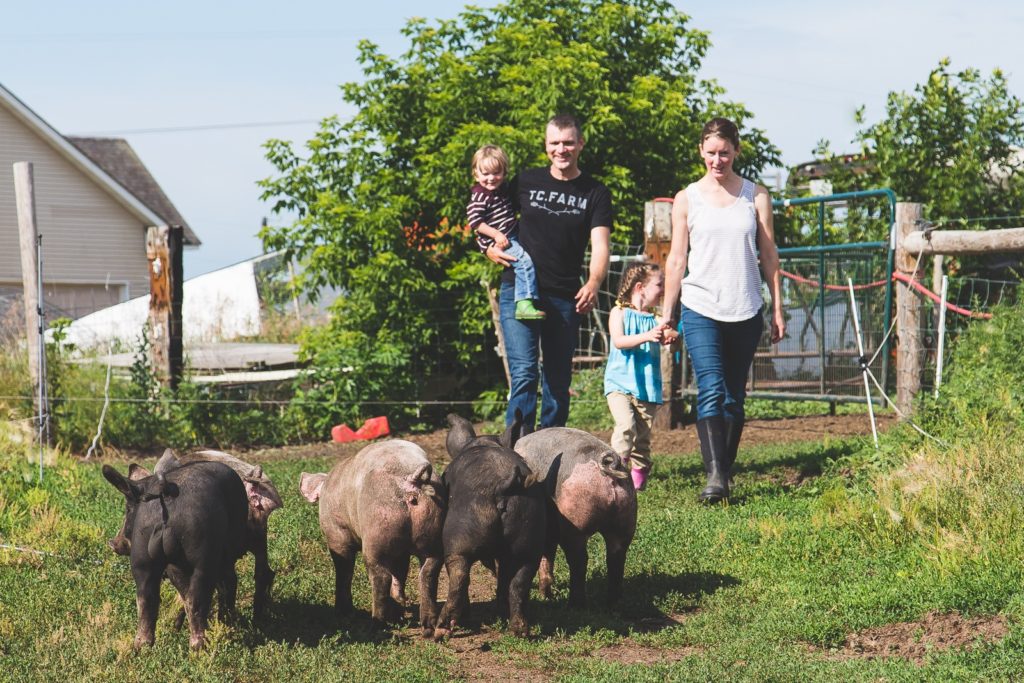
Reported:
(492, 215)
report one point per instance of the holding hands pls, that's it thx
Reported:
(668, 333)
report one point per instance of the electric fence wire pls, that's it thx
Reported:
(44, 553)
(106, 404)
(866, 368)
(275, 402)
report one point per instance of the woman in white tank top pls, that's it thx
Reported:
(721, 228)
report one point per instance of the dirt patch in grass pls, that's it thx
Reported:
(628, 652)
(915, 640)
(478, 660)
(673, 441)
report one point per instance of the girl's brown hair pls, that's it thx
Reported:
(638, 272)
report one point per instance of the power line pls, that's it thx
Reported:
(183, 129)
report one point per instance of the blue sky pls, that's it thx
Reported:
(118, 67)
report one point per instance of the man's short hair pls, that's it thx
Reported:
(566, 121)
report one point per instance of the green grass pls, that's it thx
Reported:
(819, 541)
(760, 589)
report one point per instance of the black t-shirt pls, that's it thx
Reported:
(555, 220)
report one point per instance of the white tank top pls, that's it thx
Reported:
(722, 281)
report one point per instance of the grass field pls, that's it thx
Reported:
(775, 586)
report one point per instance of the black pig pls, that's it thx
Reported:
(263, 500)
(189, 523)
(496, 514)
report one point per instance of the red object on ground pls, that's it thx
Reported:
(373, 428)
(342, 433)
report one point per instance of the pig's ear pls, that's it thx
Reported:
(263, 495)
(137, 472)
(120, 483)
(460, 433)
(310, 485)
(167, 461)
(514, 431)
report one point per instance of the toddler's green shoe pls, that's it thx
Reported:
(525, 310)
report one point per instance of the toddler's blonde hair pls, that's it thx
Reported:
(494, 154)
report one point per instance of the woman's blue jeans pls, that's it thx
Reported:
(555, 336)
(721, 354)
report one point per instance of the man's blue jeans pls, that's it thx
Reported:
(721, 354)
(556, 337)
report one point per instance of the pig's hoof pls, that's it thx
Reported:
(142, 642)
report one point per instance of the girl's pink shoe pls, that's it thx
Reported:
(639, 478)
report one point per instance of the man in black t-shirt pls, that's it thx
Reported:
(562, 209)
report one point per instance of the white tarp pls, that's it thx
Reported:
(217, 306)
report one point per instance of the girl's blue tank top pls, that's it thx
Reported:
(635, 371)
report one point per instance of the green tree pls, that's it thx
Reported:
(954, 144)
(379, 199)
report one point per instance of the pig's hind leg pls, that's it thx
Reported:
(344, 565)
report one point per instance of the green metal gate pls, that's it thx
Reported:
(819, 358)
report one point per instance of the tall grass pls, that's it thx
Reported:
(957, 496)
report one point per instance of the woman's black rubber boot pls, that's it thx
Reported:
(711, 432)
(733, 432)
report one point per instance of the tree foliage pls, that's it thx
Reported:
(954, 144)
(379, 199)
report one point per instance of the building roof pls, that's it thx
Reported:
(123, 185)
(119, 160)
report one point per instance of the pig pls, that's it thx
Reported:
(263, 500)
(387, 502)
(589, 491)
(190, 525)
(496, 514)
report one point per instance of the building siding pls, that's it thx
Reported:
(89, 239)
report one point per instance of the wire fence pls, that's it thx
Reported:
(818, 359)
(968, 299)
(592, 347)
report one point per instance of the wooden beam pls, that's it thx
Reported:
(909, 352)
(657, 241)
(492, 299)
(28, 234)
(164, 253)
(964, 241)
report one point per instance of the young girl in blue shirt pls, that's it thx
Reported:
(632, 378)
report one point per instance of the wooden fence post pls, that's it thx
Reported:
(164, 253)
(909, 352)
(28, 233)
(492, 299)
(657, 242)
